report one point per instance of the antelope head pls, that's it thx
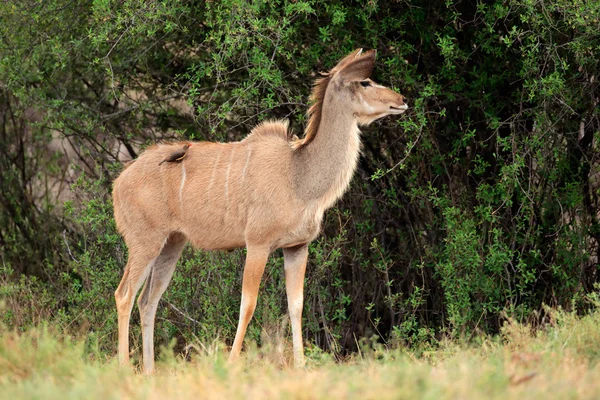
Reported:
(367, 100)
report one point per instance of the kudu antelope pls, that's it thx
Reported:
(264, 192)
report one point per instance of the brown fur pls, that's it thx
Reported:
(263, 193)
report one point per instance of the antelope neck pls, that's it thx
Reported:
(324, 167)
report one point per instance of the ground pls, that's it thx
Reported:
(558, 361)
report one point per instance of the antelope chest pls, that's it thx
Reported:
(305, 229)
(312, 226)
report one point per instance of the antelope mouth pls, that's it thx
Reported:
(399, 110)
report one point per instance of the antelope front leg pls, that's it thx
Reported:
(256, 259)
(295, 266)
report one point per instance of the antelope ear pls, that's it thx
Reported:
(359, 68)
(350, 57)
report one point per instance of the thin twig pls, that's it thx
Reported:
(412, 146)
(182, 313)
(67, 243)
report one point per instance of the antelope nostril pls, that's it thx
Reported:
(404, 99)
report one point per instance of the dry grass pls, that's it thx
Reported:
(560, 362)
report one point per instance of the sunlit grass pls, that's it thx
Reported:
(559, 362)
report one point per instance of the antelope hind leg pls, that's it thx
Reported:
(158, 279)
(139, 264)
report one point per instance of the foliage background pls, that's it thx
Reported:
(480, 203)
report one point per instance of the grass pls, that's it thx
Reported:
(558, 362)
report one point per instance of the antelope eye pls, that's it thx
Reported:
(365, 83)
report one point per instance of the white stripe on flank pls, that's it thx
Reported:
(246, 165)
(183, 176)
(214, 173)
(227, 174)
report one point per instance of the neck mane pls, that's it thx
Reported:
(326, 158)
(317, 98)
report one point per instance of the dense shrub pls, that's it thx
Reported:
(480, 202)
